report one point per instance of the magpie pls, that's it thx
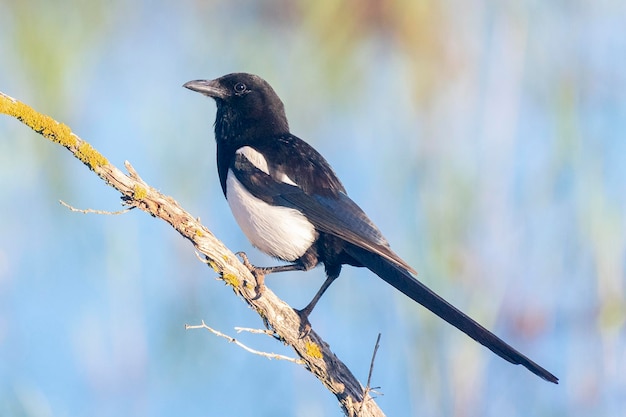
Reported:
(290, 204)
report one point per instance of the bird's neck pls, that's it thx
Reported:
(238, 131)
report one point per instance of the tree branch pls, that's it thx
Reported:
(277, 315)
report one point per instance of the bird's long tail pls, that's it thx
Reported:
(411, 287)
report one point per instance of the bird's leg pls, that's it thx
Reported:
(260, 272)
(305, 325)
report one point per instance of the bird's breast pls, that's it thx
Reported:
(282, 232)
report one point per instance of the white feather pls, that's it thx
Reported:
(281, 232)
(255, 157)
(258, 160)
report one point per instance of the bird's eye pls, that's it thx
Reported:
(240, 88)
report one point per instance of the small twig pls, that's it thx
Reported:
(368, 387)
(133, 174)
(270, 333)
(85, 211)
(369, 376)
(241, 345)
(255, 331)
(202, 258)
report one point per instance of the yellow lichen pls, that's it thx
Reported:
(88, 155)
(139, 192)
(232, 280)
(313, 350)
(40, 123)
(53, 130)
(214, 266)
(6, 103)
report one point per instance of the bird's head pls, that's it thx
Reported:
(246, 105)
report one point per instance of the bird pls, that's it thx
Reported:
(291, 205)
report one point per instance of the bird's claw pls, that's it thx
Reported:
(305, 324)
(245, 261)
(259, 274)
(259, 288)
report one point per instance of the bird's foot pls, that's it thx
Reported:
(259, 274)
(305, 324)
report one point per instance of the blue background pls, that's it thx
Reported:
(486, 139)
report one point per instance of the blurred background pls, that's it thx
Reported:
(487, 139)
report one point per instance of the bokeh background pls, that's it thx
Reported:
(487, 139)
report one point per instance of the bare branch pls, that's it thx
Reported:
(277, 315)
(369, 376)
(368, 387)
(256, 331)
(86, 211)
(241, 345)
(204, 260)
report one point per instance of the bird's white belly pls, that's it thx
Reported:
(282, 232)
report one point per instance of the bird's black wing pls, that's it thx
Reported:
(335, 214)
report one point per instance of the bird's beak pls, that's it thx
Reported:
(210, 88)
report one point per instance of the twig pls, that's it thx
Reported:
(256, 331)
(369, 375)
(368, 387)
(85, 211)
(241, 345)
(200, 258)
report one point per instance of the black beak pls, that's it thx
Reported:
(210, 88)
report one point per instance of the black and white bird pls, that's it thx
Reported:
(291, 205)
